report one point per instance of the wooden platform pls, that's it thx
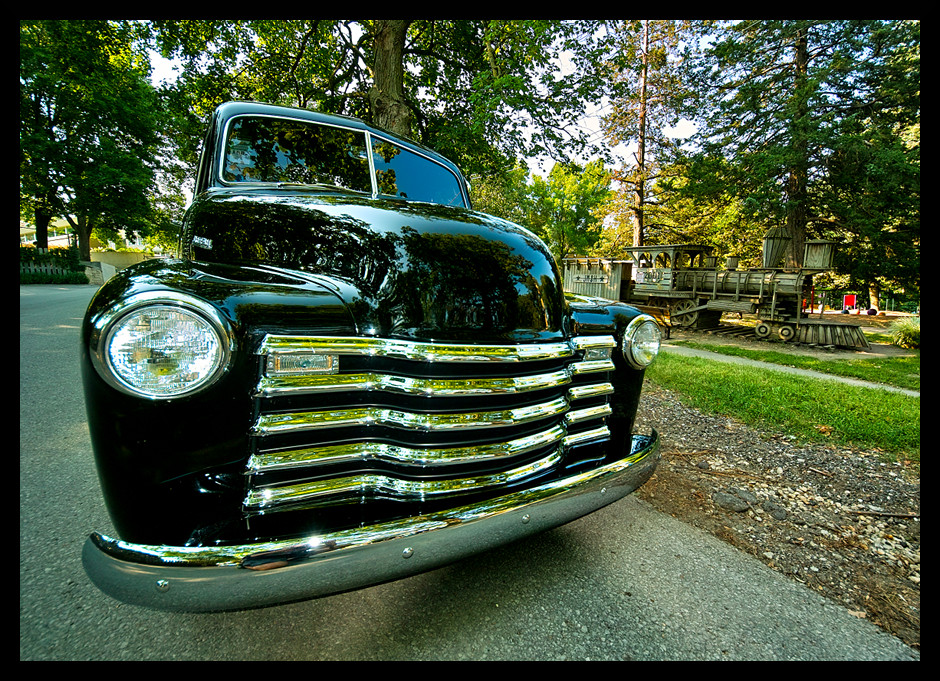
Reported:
(809, 332)
(831, 333)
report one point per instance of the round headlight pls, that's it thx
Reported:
(641, 341)
(163, 349)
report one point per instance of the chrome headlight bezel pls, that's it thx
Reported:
(641, 341)
(105, 326)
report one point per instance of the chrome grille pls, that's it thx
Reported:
(343, 420)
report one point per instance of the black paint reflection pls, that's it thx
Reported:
(415, 271)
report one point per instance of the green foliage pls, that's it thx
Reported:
(905, 332)
(822, 136)
(481, 92)
(502, 195)
(66, 258)
(100, 144)
(88, 125)
(699, 205)
(563, 209)
(46, 278)
(647, 95)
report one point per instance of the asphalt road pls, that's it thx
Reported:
(626, 583)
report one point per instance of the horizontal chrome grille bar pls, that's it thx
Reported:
(580, 415)
(371, 485)
(465, 387)
(431, 352)
(592, 390)
(578, 368)
(587, 437)
(384, 452)
(268, 424)
(325, 492)
(386, 466)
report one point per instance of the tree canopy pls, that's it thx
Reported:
(483, 92)
(814, 125)
(818, 122)
(87, 127)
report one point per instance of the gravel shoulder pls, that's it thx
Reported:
(844, 522)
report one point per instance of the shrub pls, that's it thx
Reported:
(906, 332)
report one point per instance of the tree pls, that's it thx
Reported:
(481, 92)
(387, 96)
(646, 94)
(503, 195)
(563, 209)
(780, 99)
(87, 126)
(869, 194)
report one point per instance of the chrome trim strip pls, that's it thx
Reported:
(431, 351)
(592, 367)
(395, 454)
(217, 578)
(593, 390)
(587, 437)
(371, 486)
(579, 415)
(300, 385)
(415, 350)
(590, 342)
(268, 424)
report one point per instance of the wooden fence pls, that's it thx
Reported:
(44, 268)
(40, 266)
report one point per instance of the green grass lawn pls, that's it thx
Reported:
(813, 410)
(901, 371)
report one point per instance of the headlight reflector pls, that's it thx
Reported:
(641, 341)
(163, 349)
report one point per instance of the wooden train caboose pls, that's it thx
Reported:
(682, 283)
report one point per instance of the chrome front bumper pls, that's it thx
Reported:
(209, 579)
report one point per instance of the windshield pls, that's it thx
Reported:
(284, 150)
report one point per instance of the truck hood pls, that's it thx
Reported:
(410, 270)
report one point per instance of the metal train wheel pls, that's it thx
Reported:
(681, 318)
(762, 330)
(786, 332)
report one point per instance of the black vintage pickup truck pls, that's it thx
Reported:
(348, 377)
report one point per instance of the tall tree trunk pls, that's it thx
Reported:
(796, 182)
(43, 216)
(387, 96)
(639, 192)
(82, 228)
(874, 295)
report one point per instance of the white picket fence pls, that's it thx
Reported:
(42, 268)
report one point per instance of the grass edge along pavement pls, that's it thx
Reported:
(901, 372)
(810, 409)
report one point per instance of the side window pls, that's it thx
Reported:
(402, 173)
(260, 149)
